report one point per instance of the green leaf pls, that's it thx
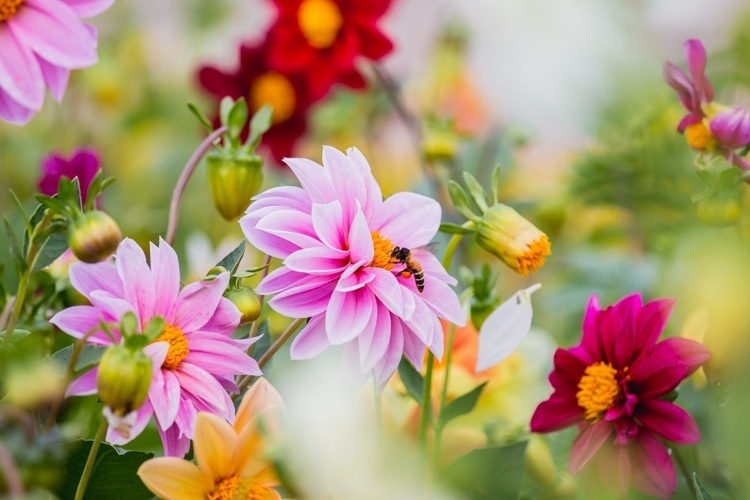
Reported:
(488, 473)
(53, 204)
(259, 125)
(232, 260)
(460, 406)
(225, 107)
(113, 477)
(261, 346)
(201, 117)
(21, 210)
(412, 379)
(461, 201)
(237, 118)
(476, 191)
(16, 335)
(495, 184)
(88, 357)
(52, 248)
(450, 228)
(15, 250)
(700, 490)
(69, 192)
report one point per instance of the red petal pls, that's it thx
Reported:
(587, 444)
(218, 83)
(669, 421)
(657, 373)
(692, 353)
(653, 470)
(288, 51)
(590, 339)
(650, 323)
(558, 412)
(373, 43)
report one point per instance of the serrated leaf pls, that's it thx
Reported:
(460, 406)
(412, 379)
(232, 260)
(700, 490)
(88, 357)
(237, 118)
(450, 228)
(488, 473)
(461, 201)
(113, 477)
(259, 125)
(476, 191)
(201, 117)
(52, 248)
(16, 335)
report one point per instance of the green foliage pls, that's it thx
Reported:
(232, 260)
(88, 357)
(700, 491)
(488, 473)
(460, 406)
(412, 379)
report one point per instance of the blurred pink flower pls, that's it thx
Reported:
(40, 42)
(693, 93)
(336, 235)
(612, 386)
(84, 164)
(196, 355)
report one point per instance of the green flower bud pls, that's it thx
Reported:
(246, 301)
(123, 379)
(93, 236)
(233, 181)
(505, 233)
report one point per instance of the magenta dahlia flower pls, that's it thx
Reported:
(40, 42)
(83, 163)
(197, 357)
(336, 236)
(613, 386)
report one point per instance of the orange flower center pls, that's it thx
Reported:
(8, 8)
(276, 90)
(237, 488)
(320, 22)
(383, 248)
(699, 137)
(598, 390)
(533, 259)
(178, 346)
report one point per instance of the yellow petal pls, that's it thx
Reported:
(215, 446)
(172, 478)
(251, 451)
(261, 396)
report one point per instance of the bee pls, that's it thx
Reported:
(402, 255)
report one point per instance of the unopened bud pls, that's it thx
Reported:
(246, 301)
(233, 181)
(123, 379)
(93, 236)
(505, 233)
(440, 145)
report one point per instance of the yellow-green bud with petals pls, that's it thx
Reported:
(246, 301)
(93, 236)
(233, 179)
(123, 379)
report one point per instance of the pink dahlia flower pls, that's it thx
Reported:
(40, 42)
(195, 359)
(84, 164)
(336, 236)
(613, 387)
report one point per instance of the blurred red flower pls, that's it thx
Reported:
(322, 38)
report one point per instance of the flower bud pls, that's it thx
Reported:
(93, 236)
(440, 144)
(246, 301)
(505, 233)
(233, 181)
(123, 379)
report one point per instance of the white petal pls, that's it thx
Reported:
(505, 328)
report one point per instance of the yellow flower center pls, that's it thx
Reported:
(699, 137)
(276, 90)
(237, 488)
(383, 248)
(178, 346)
(599, 390)
(533, 259)
(320, 22)
(8, 8)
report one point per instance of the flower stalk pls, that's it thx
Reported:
(100, 433)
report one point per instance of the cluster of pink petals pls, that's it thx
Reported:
(201, 380)
(626, 441)
(39, 45)
(730, 127)
(323, 232)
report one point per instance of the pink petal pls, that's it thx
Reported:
(312, 340)
(679, 81)
(373, 341)
(353, 278)
(442, 300)
(373, 197)
(101, 276)
(164, 395)
(328, 225)
(292, 226)
(53, 31)
(12, 112)
(421, 322)
(387, 365)
(76, 321)
(390, 293)
(732, 127)
(223, 359)
(225, 319)
(186, 416)
(309, 298)
(279, 280)
(289, 197)
(142, 417)
(318, 261)
(669, 421)
(346, 180)
(88, 8)
(111, 308)
(361, 247)
(413, 349)
(432, 266)
(20, 75)
(201, 385)
(409, 220)
(347, 315)
(264, 241)
(313, 179)
(138, 282)
(653, 470)
(198, 301)
(157, 351)
(176, 444)
(166, 272)
(690, 119)
(83, 385)
(696, 61)
(587, 444)
(55, 77)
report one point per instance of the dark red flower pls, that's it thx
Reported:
(84, 164)
(612, 386)
(322, 38)
(256, 82)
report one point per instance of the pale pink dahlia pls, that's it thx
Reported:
(197, 357)
(336, 236)
(40, 42)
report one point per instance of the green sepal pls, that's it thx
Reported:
(231, 261)
(461, 201)
(237, 118)
(259, 125)
(476, 191)
(450, 228)
(201, 117)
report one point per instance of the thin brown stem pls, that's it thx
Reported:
(187, 172)
(10, 472)
(391, 89)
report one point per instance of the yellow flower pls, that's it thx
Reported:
(230, 458)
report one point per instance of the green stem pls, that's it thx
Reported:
(91, 459)
(682, 464)
(426, 402)
(23, 286)
(450, 249)
(444, 394)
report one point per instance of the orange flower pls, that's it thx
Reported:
(230, 458)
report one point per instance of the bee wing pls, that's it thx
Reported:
(505, 328)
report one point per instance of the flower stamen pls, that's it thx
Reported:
(237, 488)
(8, 8)
(276, 90)
(533, 259)
(599, 390)
(383, 248)
(320, 22)
(699, 137)
(178, 346)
